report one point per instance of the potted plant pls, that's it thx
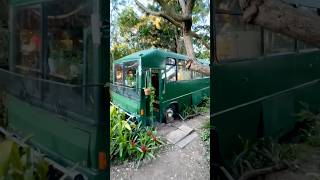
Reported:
(147, 91)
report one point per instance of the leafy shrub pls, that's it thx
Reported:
(16, 163)
(191, 111)
(130, 141)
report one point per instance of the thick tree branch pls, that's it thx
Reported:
(160, 14)
(201, 39)
(170, 11)
(259, 172)
(283, 18)
(170, 19)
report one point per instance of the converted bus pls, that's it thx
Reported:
(175, 86)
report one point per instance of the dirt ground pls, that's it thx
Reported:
(308, 168)
(189, 163)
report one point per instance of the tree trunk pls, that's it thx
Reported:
(188, 44)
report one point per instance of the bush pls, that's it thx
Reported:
(16, 163)
(131, 141)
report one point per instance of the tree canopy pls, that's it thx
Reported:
(137, 30)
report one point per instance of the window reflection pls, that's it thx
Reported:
(183, 73)
(67, 23)
(277, 43)
(171, 69)
(131, 73)
(118, 74)
(235, 39)
(28, 39)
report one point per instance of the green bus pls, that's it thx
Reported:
(175, 86)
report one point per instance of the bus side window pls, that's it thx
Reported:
(196, 75)
(118, 76)
(277, 43)
(235, 39)
(183, 72)
(171, 69)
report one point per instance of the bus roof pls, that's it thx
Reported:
(160, 53)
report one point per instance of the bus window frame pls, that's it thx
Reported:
(176, 68)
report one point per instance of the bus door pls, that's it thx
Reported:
(154, 79)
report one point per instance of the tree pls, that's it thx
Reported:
(274, 15)
(180, 15)
(140, 32)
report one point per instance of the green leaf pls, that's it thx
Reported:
(5, 150)
(28, 174)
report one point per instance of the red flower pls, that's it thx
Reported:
(144, 149)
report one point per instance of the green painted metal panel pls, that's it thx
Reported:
(278, 115)
(57, 134)
(125, 103)
(240, 84)
(243, 122)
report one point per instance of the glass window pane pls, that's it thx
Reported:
(196, 75)
(4, 47)
(171, 69)
(4, 35)
(232, 5)
(304, 46)
(183, 73)
(118, 74)
(277, 43)
(68, 22)
(235, 39)
(28, 40)
(131, 69)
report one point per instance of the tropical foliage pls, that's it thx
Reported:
(131, 141)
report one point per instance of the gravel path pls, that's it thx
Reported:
(172, 162)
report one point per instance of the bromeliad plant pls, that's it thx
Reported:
(130, 141)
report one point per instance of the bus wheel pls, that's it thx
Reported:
(171, 113)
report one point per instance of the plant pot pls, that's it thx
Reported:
(147, 91)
